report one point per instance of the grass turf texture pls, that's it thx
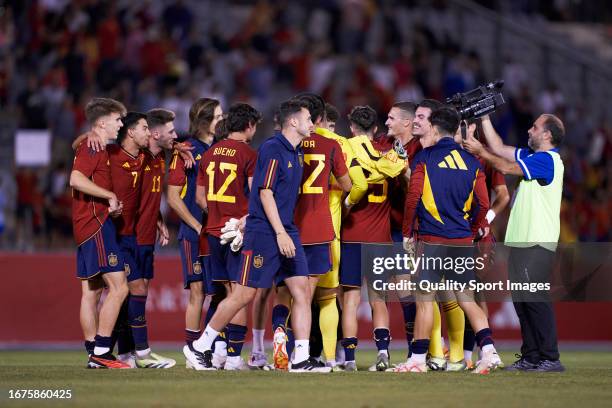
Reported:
(587, 382)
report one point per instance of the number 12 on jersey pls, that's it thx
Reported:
(220, 194)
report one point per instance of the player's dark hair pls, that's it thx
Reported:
(289, 108)
(315, 105)
(556, 128)
(408, 108)
(130, 120)
(446, 120)
(201, 115)
(331, 113)
(363, 117)
(98, 107)
(432, 104)
(240, 116)
(159, 117)
(221, 129)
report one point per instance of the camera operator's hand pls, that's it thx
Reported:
(472, 145)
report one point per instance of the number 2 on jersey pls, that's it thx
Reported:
(307, 188)
(220, 194)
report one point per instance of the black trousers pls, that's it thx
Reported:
(535, 310)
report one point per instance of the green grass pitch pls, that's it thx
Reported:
(586, 383)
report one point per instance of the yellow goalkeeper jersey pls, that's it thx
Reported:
(360, 185)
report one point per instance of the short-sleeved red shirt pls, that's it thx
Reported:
(126, 175)
(88, 212)
(224, 171)
(153, 170)
(322, 158)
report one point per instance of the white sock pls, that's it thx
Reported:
(340, 353)
(385, 352)
(301, 351)
(331, 363)
(233, 359)
(220, 348)
(467, 355)
(489, 348)
(258, 341)
(419, 358)
(143, 353)
(206, 340)
(98, 351)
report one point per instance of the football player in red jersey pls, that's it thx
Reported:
(367, 222)
(223, 187)
(399, 128)
(99, 259)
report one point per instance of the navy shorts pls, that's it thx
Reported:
(100, 254)
(145, 257)
(396, 235)
(128, 246)
(223, 263)
(445, 261)
(262, 265)
(350, 264)
(193, 269)
(319, 258)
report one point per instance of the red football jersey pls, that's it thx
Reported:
(153, 170)
(322, 158)
(126, 176)
(224, 171)
(89, 213)
(369, 219)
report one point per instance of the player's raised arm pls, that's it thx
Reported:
(499, 163)
(495, 142)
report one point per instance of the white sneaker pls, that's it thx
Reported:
(154, 361)
(196, 360)
(259, 361)
(409, 366)
(128, 358)
(235, 364)
(489, 362)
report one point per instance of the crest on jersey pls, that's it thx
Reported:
(258, 261)
(289, 165)
(147, 168)
(126, 165)
(198, 157)
(197, 268)
(127, 268)
(112, 259)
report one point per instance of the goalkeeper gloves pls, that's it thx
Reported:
(237, 242)
(229, 231)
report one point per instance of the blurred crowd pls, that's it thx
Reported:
(56, 54)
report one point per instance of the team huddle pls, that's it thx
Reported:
(286, 222)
